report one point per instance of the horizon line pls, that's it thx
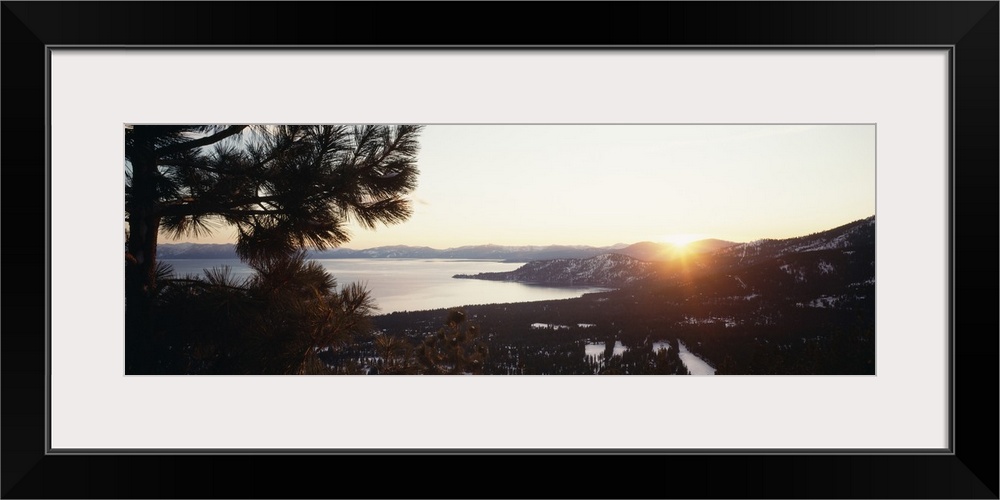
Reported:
(542, 245)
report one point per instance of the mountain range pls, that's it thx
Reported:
(620, 265)
(646, 251)
(610, 269)
(796, 257)
(794, 306)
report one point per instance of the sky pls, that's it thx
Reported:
(608, 184)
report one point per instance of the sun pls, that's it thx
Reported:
(681, 240)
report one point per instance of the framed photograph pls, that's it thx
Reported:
(373, 249)
(831, 153)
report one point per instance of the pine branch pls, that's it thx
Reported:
(197, 143)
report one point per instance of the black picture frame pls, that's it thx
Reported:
(970, 29)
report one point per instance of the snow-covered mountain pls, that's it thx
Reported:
(712, 253)
(854, 234)
(498, 252)
(832, 269)
(658, 252)
(521, 253)
(647, 251)
(196, 251)
(612, 270)
(825, 259)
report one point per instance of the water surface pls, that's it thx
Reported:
(416, 284)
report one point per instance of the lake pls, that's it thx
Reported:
(415, 284)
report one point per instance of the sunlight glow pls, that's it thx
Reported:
(680, 240)
(732, 182)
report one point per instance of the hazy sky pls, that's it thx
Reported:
(606, 184)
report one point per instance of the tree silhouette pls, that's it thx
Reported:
(454, 349)
(282, 187)
(277, 321)
(395, 353)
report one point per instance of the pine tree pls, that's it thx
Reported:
(455, 348)
(282, 187)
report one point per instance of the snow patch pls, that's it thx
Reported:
(594, 349)
(824, 302)
(798, 273)
(737, 278)
(692, 362)
(729, 322)
(597, 349)
(869, 281)
(548, 326)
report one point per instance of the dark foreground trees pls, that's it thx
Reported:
(281, 187)
(278, 321)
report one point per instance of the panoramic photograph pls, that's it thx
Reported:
(521, 249)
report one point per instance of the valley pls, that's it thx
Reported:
(796, 306)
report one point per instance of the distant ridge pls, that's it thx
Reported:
(651, 260)
(858, 233)
(851, 234)
(646, 251)
(655, 252)
(196, 251)
(610, 269)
